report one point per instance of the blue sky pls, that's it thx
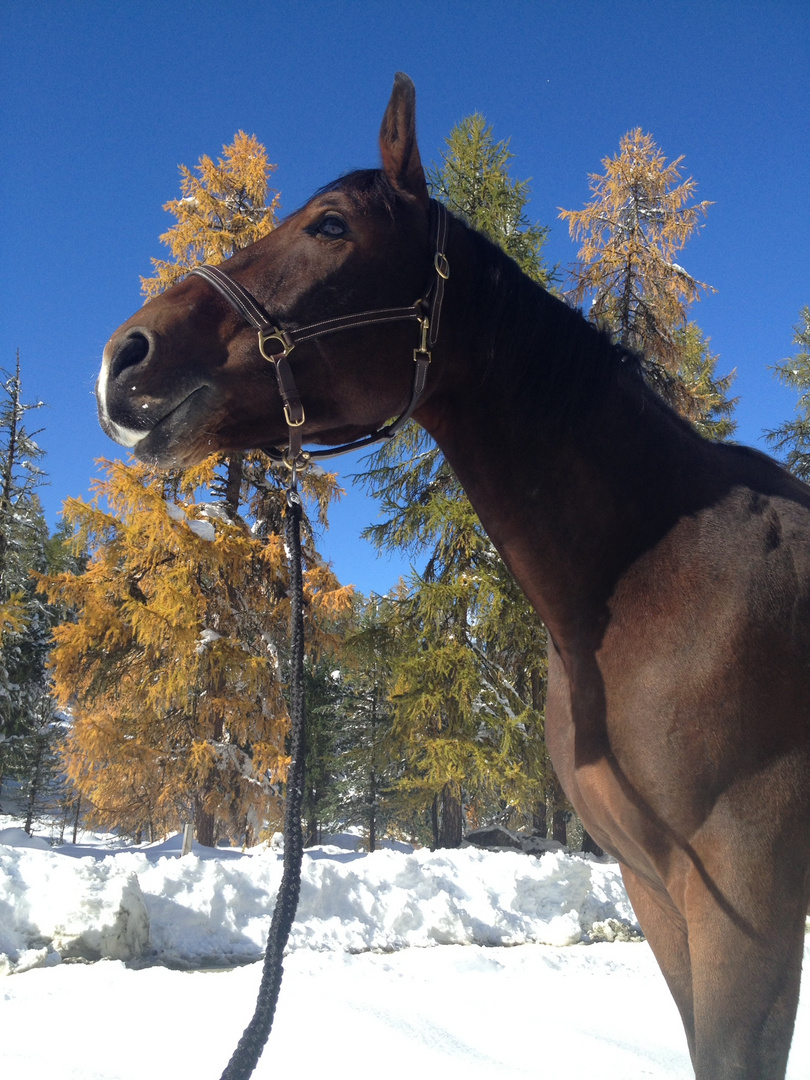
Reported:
(101, 101)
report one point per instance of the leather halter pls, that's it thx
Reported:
(426, 311)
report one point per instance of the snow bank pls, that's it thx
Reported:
(212, 909)
(52, 908)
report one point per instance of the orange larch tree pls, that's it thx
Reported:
(641, 216)
(174, 668)
(223, 208)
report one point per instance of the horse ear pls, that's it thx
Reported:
(400, 154)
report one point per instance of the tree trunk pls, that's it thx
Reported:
(589, 845)
(36, 780)
(233, 484)
(372, 811)
(451, 832)
(434, 821)
(76, 818)
(540, 821)
(311, 832)
(204, 826)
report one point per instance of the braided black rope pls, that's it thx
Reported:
(250, 1046)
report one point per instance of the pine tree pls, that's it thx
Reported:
(25, 621)
(793, 437)
(639, 219)
(223, 208)
(712, 408)
(474, 182)
(363, 758)
(469, 657)
(175, 663)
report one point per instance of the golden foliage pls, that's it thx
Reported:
(174, 665)
(223, 208)
(14, 615)
(630, 232)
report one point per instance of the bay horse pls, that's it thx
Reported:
(673, 573)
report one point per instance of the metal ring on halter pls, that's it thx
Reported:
(287, 345)
(298, 461)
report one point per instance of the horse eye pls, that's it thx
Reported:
(332, 226)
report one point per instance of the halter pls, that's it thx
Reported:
(426, 311)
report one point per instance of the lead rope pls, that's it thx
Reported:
(250, 1046)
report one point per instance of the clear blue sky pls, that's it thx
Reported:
(102, 100)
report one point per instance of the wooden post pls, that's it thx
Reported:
(188, 833)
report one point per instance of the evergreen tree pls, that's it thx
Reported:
(712, 409)
(793, 437)
(639, 219)
(469, 655)
(474, 182)
(364, 759)
(469, 733)
(25, 620)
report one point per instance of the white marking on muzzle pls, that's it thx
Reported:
(122, 435)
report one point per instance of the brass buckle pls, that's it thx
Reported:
(281, 336)
(294, 423)
(424, 323)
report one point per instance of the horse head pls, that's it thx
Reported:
(185, 377)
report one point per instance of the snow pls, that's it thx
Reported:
(204, 529)
(206, 638)
(137, 961)
(175, 512)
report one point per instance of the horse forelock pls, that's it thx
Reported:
(366, 188)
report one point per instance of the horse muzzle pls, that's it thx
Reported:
(136, 413)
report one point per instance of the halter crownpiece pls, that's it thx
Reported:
(426, 311)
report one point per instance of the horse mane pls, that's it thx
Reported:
(559, 363)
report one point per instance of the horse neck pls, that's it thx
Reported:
(573, 466)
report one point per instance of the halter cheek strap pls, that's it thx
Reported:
(276, 344)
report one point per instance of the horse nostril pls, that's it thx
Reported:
(133, 350)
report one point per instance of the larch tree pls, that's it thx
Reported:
(224, 207)
(792, 439)
(175, 664)
(640, 217)
(176, 659)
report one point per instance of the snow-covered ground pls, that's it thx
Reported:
(461, 964)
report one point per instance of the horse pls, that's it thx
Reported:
(672, 573)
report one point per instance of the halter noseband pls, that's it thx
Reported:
(426, 311)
